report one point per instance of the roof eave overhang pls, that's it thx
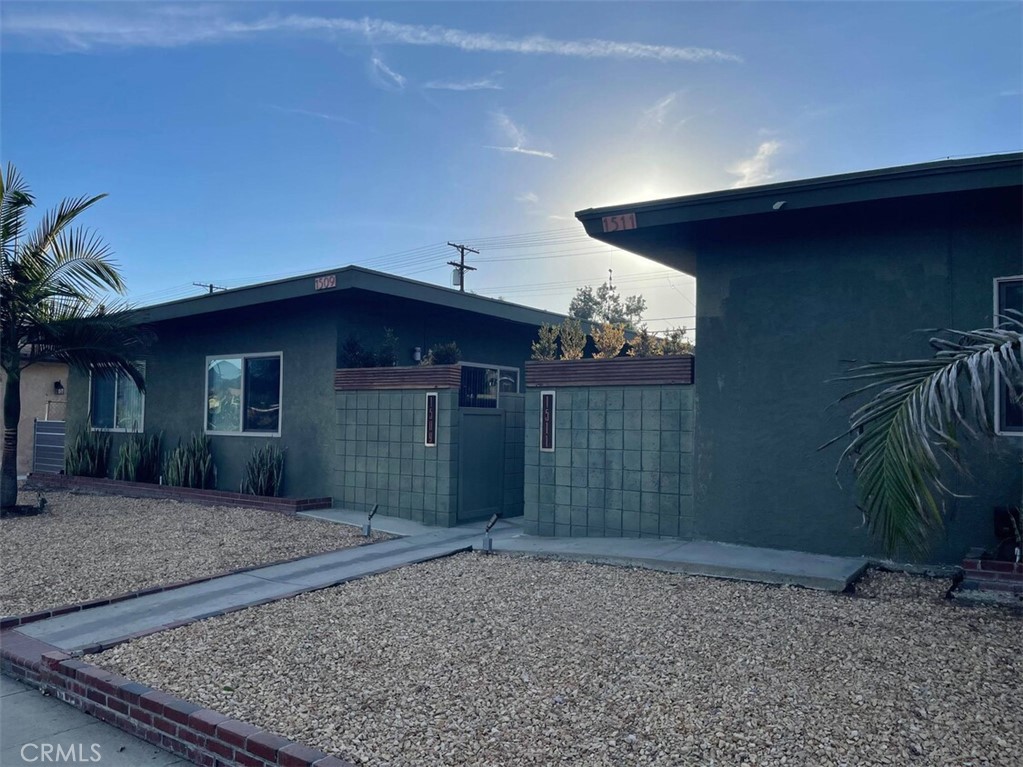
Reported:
(340, 280)
(643, 227)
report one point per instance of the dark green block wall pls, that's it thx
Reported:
(782, 307)
(622, 464)
(382, 457)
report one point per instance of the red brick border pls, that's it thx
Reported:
(187, 494)
(981, 574)
(203, 736)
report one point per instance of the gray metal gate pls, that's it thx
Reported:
(480, 463)
(48, 449)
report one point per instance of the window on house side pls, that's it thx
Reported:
(1008, 409)
(243, 394)
(115, 403)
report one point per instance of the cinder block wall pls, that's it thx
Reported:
(514, 407)
(622, 463)
(381, 457)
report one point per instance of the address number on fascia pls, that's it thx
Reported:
(325, 282)
(619, 223)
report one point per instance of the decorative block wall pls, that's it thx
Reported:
(622, 465)
(381, 456)
(514, 407)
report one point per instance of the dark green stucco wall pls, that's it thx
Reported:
(308, 331)
(304, 331)
(783, 301)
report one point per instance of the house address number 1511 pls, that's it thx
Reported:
(619, 223)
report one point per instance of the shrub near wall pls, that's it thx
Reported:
(622, 463)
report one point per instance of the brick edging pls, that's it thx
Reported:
(188, 494)
(12, 621)
(980, 574)
(203, 736)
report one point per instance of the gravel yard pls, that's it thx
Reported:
(476, 660)
(91, 546)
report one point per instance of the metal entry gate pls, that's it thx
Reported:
(48, 447)
(480, 463)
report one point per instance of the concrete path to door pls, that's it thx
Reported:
(110, 623)
(717, 560)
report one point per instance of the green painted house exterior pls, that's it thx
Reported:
(305, 320)
(794, 280)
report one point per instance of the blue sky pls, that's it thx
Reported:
(247, 141)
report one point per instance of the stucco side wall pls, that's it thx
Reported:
(38, 401)
(480, 338)
(304, 331)
(784, 303)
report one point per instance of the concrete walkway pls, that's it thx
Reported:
(718, 560)
(109, 623)
(34, 726)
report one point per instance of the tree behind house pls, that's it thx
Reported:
(606, 305)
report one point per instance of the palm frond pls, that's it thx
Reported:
(903, 434)
(15, 200)
(104, 343)
(39, 246)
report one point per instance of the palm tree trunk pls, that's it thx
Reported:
(9, 460)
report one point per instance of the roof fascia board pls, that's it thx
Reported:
(906, 181)
(348, 278)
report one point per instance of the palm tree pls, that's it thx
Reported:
(51, 282)
(901, 435)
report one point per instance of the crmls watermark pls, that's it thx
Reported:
(50, 753)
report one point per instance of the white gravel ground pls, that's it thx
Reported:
(90, 546)
(476, 660)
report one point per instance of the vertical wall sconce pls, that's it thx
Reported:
(547, 409)
(430, 436)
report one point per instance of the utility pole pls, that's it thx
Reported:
(460, 264)
(209, 285)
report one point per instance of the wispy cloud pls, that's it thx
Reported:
(129, 26)
(517, 136)
(386, 76)
(756, 169)
(528, 198)
(658, 113)
(484, 84)
(308, 113)
(663, 111)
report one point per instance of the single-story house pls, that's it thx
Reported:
(259, 364)
(794, 281)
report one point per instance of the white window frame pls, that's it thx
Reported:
(499, 369)
(117, 379)
(241, 410)
(996, 312)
